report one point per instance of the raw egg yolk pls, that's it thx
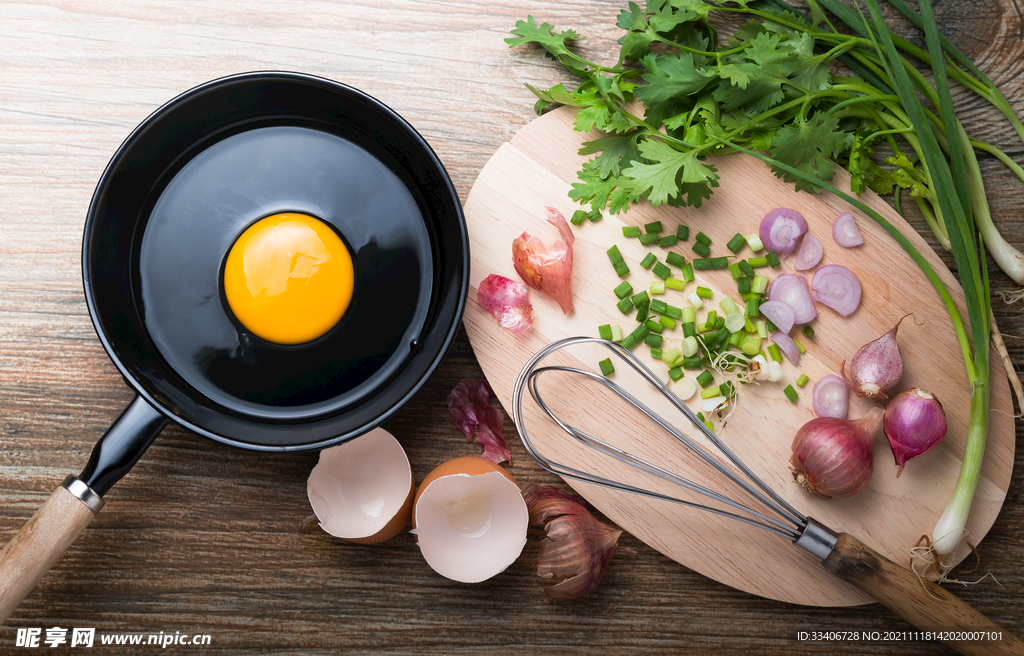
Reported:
(289, 278)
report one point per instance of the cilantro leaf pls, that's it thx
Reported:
(660, 179)
(807, 145)
(556, 44)
(670, 76)
(613, 192)
(614, 152)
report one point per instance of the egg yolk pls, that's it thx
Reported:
(289, 278)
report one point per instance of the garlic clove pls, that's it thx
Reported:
(362, 490)
(470, 519)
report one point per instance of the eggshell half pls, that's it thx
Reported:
(362, 490)
(470, 519)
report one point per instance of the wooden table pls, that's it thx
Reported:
(202, 538)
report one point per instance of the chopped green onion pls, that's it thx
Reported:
(595, 216)
(771, 327)
(675, 259)
(641, 312)
(726, 389)
(614, 255)
(659, 306)
(605, 331)
(711, 392)
(654, 339)
(747, 269)
(640, 333)
(753, 306)
(751, 297)
(719, 262)
(577, 217)
(774, 352)
(691, 362)
(736, 338)
(631, 231)
(734, 321)
(800, 346)
(623, 290)
(689, 329)
(705, 378)
(759, 284)
(702, 264)
(671, 354)
(743, 285)
(689, 347)
(802, 380)
(702, 249)
(654, 326)
(640, 299)
(688, 272)
(728, 305)
(754, 242)
(736, 243)
(807, 330)
(711, 318)
(791, 393)
(648, 260)
(749, 326)
(674, 283)
(704, 292)
(735, 270)
(616, 333)
(653, 227)
(683, 232)
(695, 300)
(662, 271)
(722, 336)
(667, 241)
(675, 373)
(656, 352)
(667, 321)
(773, 260)
(620, 268)
(688, 315)
(607, 368)
(625, 305)
(762, 329)
(750, 345)
(629, 342)
(673, 312)
(648, 238)
(704, 239)
(657, 287)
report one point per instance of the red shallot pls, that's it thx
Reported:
(845, 231)
(791, 289)
(877, 366)
(787, 346)
(781, 229)
(914, 422)
(780, 314)
(577, 546)
(547, 269)
(837, 287)
(830, 397)
(809, 254)
(834, 457)
(507, 300)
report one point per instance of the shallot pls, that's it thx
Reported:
(914, 422)
(830, 397)
(787, 346)
(547, 269)
(780, 314)
(781, 229)
(791, 289)
(877, 366)
(809, 254)
(834, 457)
(837, 287)
(845, 231)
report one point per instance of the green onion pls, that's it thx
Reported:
(750, 345)
(736, 271)
(762, 329)
(757, 263)
(640, 299)
(692, 362)
(749, 326)
(674, 283)
(640, 333)
(709, 393)
(722, 336)
(577, 217)
(689, 329)
(746, 268)
(759, 284)
(605, 331)
(653, 326)
(628, 342)
(719, 262)
(700, 248)
(709, 323)
(617, 333)
(657, 287)
(623, 290)
(702, 238)
(625, 305)
(773, 260)
(704, 292)
(695, 300)
(791, 393)
(667, 321)
(771, 327)
(662, 271)
(631, 231)
(752, 308)
(688, 272)
(726, 389)
(648, 238)
(668, 241)
(736, 338)
(671, 355)
(807, 330)
(705, 378)
(607, 368)
(653, 339)
(774, 352)
(736, 243)
(734, 321)
(614, 255)
(688, 315)
(594, 216)
(673, 312)
(648, 260)
(743, 285)
(653, 227)
(702, 264)
(683, 233)
(802, 380)
(641, 312)
(659, 306)
(675, 373)
(675, 259)
(799, 345)
(656, 352)
(689, 347)
(728, 305)
(620, 268)
(754, 242)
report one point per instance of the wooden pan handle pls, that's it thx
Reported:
(920, 602)
(38, 545)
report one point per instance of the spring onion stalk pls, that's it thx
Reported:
(688, 272)
(802, 380)
(623, 290)
(607, 368)
(667, 321)
(757, 262)
(653, 227)
(688, 347)
(791, 393)
(673, 312)
(702, 249)
(695, 300)
(737, 242)
(662, 271)
(604, 331)
(657, 287)
(668, 241)
(754, 242)
(641, 312)
(728, 306)
(631, 231)
(616, 333)
(688, 315)
(649, 238)
(675, 259)
(649, 260)
(675, 283)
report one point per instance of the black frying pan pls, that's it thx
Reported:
(173, 199)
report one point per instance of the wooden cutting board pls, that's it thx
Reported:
(535, 171)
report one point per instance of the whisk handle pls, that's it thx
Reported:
(919, 601)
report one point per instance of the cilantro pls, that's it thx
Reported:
(808, 145)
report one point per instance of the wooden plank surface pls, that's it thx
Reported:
(535, 171)
(201, 538)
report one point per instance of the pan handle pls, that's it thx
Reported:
(60, 520)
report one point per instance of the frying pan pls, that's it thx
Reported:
(186, 182)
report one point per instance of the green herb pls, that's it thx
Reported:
(802, 380)
(675, 259)
(607, 368)
(791, 393)
(682, 233)
(648, 238)
(631, 231)
(653, 227)
(662, 271)
(667, 242)
(648, 260)
(623, 290)
(737, 243)
(701, 249)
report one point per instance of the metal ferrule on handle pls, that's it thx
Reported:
(83, 493)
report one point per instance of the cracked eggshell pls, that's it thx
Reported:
(362, 490)
(470, 519)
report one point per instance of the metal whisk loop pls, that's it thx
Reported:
(528, 380)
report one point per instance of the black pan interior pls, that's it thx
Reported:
(201, 169)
